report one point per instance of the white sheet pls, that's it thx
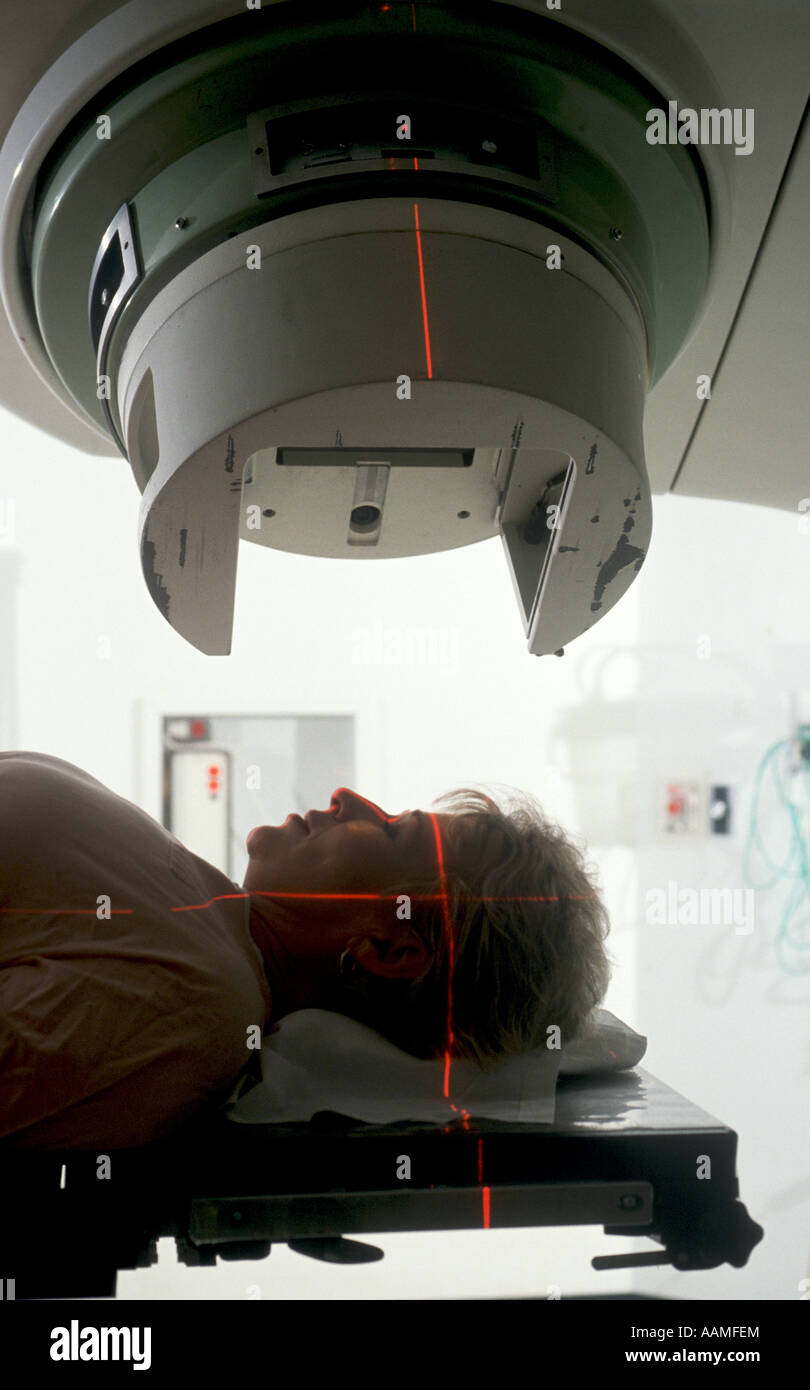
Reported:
(324, 1061)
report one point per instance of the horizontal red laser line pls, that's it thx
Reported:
(74, 911)
(323, 897)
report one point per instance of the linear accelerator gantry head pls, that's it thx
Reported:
(341, 288)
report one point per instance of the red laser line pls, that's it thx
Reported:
(428, 355)
(484, 1190)
(448, 926)
(325, 897)
(485, 1194)
(422, 289)
(72, 911)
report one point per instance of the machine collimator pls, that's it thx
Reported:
(359, 281)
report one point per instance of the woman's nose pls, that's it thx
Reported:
(361, 805)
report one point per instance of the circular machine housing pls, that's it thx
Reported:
(347, 287)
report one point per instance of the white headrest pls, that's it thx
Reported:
(317, 1060)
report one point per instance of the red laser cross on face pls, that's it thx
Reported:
(442, 897)
(446, 920)
(448, 930)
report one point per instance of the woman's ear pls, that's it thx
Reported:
(393, 955)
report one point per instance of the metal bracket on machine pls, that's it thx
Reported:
(575, 541)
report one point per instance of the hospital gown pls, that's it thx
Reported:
(112, 1032)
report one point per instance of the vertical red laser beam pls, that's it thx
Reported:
(428, 355)
(448, 927)
(484, 1190)
(422, 289)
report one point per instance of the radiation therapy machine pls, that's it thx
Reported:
(363, 280)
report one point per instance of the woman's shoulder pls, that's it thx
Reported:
(30, 765)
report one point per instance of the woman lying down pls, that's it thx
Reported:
(136, 980)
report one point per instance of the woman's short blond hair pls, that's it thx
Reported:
(528, 947)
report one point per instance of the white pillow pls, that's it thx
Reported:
(317, 1060)
(608, 1045)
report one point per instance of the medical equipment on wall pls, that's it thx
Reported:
(371, 281)
(620, 798)
(792, 786)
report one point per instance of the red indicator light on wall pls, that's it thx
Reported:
(198, 728)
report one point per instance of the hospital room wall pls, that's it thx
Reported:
(724, 640)
(92, 645)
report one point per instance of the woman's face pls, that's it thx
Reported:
(354, 847)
